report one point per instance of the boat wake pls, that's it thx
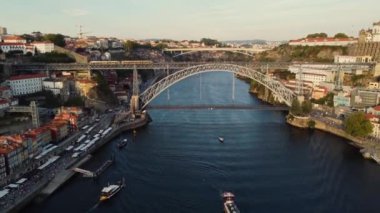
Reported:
(94, 207)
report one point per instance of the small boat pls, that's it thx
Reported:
(229, 203)
(122, 144)
(111, 190)
(221, 140)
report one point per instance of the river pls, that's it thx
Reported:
(176, 163)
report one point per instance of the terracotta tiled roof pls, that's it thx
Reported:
(27, 76)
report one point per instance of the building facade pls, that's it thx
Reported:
(322, 42)
(43, 47)
(26, 84)
(3, 31)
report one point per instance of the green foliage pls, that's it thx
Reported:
(57, 39)
(161, 46)
(53, 57)
(130, 45)
(284, 74)
(340, 35)
(327, 100)
(210, 42)
(317, 35)
(103, 90)
(306, 107)
(75, 101)
(357, 125)
(296, 109)
(51, 101)
(311, 124)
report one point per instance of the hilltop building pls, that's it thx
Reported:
(370, 35)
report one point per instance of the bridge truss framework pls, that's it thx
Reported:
(284, 94)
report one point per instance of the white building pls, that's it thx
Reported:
(44, 47)
(26, 84)
(11, 47)
(322, 42)
(376, 32)
(58, 87)
(375, 123)
(347, 59)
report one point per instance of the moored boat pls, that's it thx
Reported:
(122, 143)
(111, 190)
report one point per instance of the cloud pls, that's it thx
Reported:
(75, 12)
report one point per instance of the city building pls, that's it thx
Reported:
(370, 35)
(43, 47)
(14, 151)
(26, 84)
(375, 123)
(17, 47)
(57, 87)
(13, 39)
(342, 99)
(39, 138)
(3, 169)
(373, 85)
(58, 129)
(319, 92)
(3, 31)
(374, 110)
(316, 77)
(5, 92)
(346, 59)
(322, 42)
(361, 98)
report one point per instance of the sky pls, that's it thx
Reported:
(190, 19)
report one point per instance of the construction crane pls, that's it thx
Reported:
(81, 33)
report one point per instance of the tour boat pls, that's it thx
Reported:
(111, 190)
(221, 139)
(122, 144)
(229, 203)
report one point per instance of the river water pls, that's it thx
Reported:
(176, 163)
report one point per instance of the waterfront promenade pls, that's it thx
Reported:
(45, 182)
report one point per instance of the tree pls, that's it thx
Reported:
(296, 109)
(130, 45)
(340, 35)
(306, 107)
(210, 42)
(356, 124)
(311, 124)
(57, 39)
(75, 101)
(317, 35)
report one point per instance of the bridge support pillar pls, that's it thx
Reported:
(134, 104)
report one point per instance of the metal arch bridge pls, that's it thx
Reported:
(244, 51)
(283, 93)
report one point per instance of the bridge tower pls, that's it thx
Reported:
(134, 103)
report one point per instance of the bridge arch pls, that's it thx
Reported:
(285, 94)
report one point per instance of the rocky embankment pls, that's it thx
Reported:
(369, 149)
(263, 93)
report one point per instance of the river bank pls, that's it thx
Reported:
(50, 186)
(369, 149)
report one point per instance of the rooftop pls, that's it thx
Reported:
(26, 76)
